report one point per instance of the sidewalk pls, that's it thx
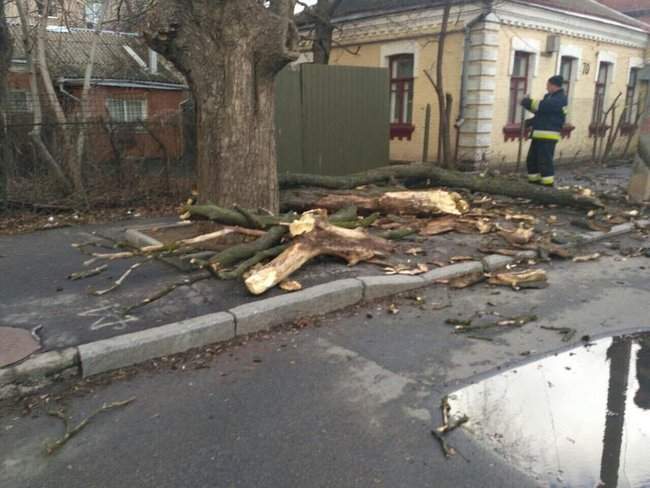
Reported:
(35, 290)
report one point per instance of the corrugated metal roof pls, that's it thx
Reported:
(68, 53)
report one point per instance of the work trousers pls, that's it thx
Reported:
(540, 161)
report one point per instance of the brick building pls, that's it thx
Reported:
(135, 98)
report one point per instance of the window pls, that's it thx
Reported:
(631, 97)
(567, 70)
(401, 96)
(51, 7)
(518, 85)
(601, 91)
(127, 111)
(93, 12)
(18, 101)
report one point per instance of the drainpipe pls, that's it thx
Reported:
(460, 121)
(67, 93)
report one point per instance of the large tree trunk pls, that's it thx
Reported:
(230, 52)
(441, 177)
(5, 63)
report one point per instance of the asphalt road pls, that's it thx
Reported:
(346, 402)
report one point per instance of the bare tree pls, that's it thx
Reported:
(445, 100)
(230, 52)
(320, 15)
(5, 64)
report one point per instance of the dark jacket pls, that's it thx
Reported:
(550, 115)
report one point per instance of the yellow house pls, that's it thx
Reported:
(495, 53)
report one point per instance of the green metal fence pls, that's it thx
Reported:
(332, 120)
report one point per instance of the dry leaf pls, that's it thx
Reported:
(439, 226)
(392, 309)
(290, 285)
(521, 218)
(529, 279)
(551, 220)
(458, 259)
(586, 192)
(584, 259)
(484, 226)
(402, 269)
(414, 251)
(519, 236)
(467, 280)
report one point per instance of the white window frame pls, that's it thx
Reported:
(527, 45)
(391, 49)
(635, 63)
(570, 51)
(124, 101)
(607, 57)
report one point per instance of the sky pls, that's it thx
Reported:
(310, 2)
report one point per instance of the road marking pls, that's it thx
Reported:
(108, 316)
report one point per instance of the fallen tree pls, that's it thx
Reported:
(436, 176)
(313, 236)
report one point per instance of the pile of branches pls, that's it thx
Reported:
(269, 248)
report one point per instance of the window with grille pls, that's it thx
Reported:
(567, 71)
(51, 7)
(18, 101)
(93, 12)
(631, 96)
(519, 85)
(127, 110)
(401, 89)
(601, 92)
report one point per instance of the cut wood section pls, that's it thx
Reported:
(427, 202)
(353, 245)
(435, 176)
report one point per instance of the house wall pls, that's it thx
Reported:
(367, 42)
(425, 50)
(581, 99)
(164, 121)
(163, 138)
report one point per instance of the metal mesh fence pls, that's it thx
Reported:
(136, 147)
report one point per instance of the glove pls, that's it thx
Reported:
(526, 101)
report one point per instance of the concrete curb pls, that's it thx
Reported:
(129, 349)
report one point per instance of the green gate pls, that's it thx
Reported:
(332, 120)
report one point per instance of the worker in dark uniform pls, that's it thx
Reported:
(550, 116)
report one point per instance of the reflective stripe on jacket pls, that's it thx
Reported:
(550, 115)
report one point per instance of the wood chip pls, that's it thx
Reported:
(290, 285)
(584, 259)
(467, 280)
(439, 226)
(458, 259)
(414, 251)
(524, 279)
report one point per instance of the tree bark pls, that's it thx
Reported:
(5, 64)
(321, 15)
(353, 246)
(441, 177)
(37, 109)
(230, 52)
(426, 202)
(443, 109)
